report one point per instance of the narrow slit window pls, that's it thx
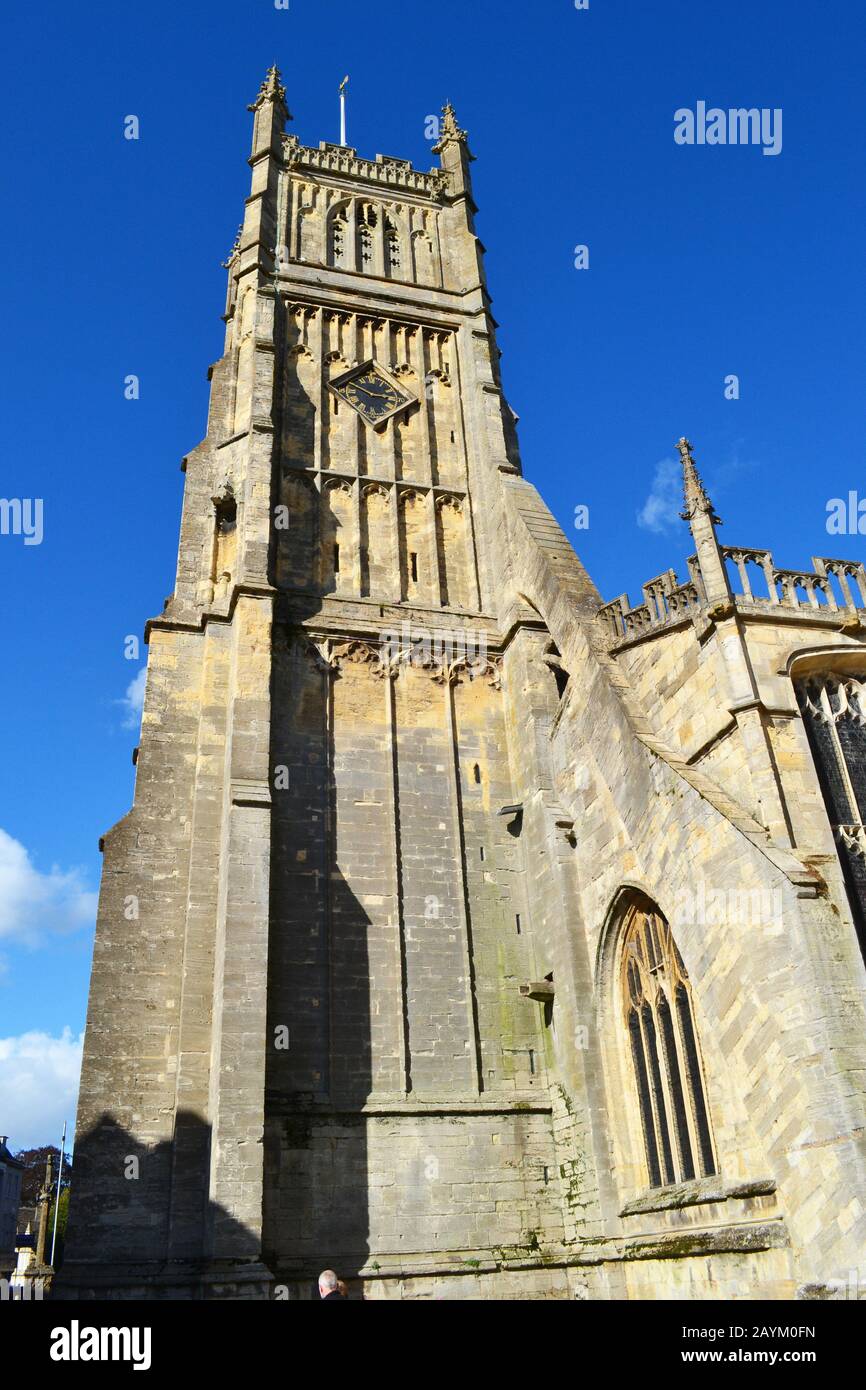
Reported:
(659, 1105)
(225, 538)
(692, 1067)
(643, 1091)
(413, 566)
(675, 1086)
(226, 515)
(336, 559)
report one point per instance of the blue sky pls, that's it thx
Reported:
(704, 262)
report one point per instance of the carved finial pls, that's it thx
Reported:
(696, 499)
(271, 89)
(448, 128)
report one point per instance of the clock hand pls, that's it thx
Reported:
(373, 397)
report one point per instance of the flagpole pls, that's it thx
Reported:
(343, 111)
(57, 1198)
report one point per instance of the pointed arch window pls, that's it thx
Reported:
(659, 1022)
(367, 221)
(338, 227)
(393, 254)
(833, 706)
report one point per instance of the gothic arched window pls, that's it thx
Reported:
(337, 228)
(367, 221)
(834, 713)
(659, 1021)
(393, 254)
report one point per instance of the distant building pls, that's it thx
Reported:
(31, 1274)
(28, 1220)
(11, 1173)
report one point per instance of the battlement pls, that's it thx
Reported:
(832, 591)
(666, 604)
(345, 162)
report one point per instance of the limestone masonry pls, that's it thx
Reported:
(467, 935)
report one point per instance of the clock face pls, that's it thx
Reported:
(372, 395)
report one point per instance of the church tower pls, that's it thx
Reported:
(402, 827)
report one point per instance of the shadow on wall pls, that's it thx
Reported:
(324, 955)
(319, 1067)
(141, 1224)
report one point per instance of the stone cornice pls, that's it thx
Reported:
(355, 292)
(744, 1238)
(403, 1105)
(365, 617)
(197, 623)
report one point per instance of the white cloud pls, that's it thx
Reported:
(38, 1087)
(32, 903)
(133, 700)
(661, 511)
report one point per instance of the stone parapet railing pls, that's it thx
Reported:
(799, 588)
(832, 589)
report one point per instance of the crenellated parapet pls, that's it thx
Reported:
(726, 579)
(384, 170)
(667, 603)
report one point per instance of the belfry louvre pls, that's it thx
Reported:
(436, 976)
